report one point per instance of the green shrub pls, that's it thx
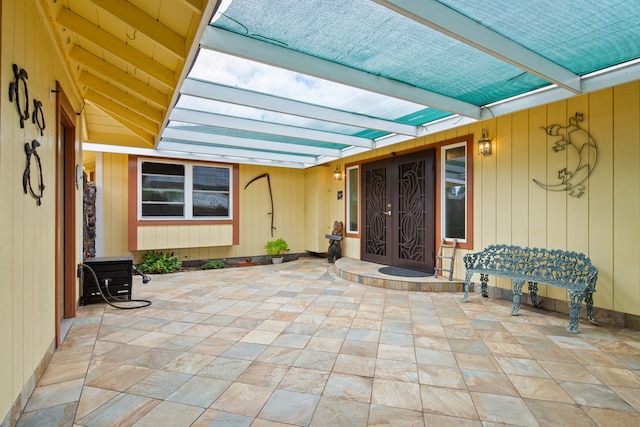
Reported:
(216, 263)
(276, 248)
(160, 263)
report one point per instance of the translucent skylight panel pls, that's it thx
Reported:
(246, 152)
(212, 106)
(239, 133)
(238, 72)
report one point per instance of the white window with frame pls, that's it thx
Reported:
(183, 191)
(454, 201)
(353, 196)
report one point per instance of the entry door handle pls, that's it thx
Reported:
(387, 213)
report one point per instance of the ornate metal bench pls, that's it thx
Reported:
(567, 270)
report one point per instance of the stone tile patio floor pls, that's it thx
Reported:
(295, 345)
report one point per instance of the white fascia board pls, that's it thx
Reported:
(446, 123)
(441, 125)
(186, 155)
(189, 136)
(613, 76)
(347, 152)
(247, 98)
(445, 20)
(246, 47)
(229, 122)
(237, 153)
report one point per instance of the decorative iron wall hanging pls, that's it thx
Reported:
(572, 137)
(30, 150)
(38, 116)
(265, 175)
(20, 79)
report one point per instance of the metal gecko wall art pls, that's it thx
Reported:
(579, 144)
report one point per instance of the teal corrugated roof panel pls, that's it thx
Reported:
(582, 36)
(418, 118)
(368, 37)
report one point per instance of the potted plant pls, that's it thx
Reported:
(276, 249)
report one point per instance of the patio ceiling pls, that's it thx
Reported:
(300, 83)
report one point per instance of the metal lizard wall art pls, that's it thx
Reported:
(573, 137)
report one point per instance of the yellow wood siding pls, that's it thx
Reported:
(209, 241)
(510, 208)
(626, 198)
(601, 220)
(316, 208)
(27, 236)
(184, 236)
(113, 191)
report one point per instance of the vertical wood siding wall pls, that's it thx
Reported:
(510, 208)
(186, 241)
(27, 234)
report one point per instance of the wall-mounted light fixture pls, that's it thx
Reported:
(337, 174)
(484, 144)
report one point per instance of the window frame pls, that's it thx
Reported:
(467, 142)
(188, 192)
(348, 206)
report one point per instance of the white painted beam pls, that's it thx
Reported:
(236, 153)
(229, 122)
(200, 137)
(614, 76)
(441, 18)
(222, 93)
(245, 47)
(186, 155)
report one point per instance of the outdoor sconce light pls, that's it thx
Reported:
(484, 144)
(337, 174)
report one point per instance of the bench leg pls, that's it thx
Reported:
(467, 280)
(575, 305)
(517, 293)
(484, 279)
(588, 300)
(533, 293)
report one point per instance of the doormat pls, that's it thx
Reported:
(398, 271)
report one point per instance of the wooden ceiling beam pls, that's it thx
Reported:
(196, 6)
(121, 97)
(125, 114)
(121, 140)
(113, 73)
(91, 32)
(147, 25)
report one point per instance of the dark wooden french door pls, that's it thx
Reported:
(398, 211)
